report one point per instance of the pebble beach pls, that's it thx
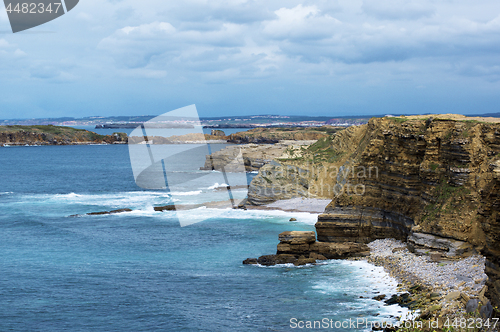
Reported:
(438, 288)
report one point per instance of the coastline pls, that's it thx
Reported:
(436, 289)
(6, 145)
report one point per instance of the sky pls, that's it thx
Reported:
(245, 57)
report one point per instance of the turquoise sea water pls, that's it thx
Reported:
(140, 271)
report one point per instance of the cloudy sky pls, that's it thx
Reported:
(240, 57)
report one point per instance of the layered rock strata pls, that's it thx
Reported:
(437, 177)
(301, 248)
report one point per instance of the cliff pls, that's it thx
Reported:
(434, 178)
(274, 135)
(307, 171)
(54, 135)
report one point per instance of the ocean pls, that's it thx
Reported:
(141, 271)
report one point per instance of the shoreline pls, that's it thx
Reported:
(431, 289)
(438, 290)
(435, 288)
(10, 145)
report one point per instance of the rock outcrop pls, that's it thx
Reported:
(55, 135)
(274, 135)
(300, 248)
(254, 155)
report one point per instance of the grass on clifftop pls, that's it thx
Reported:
(50, 132)
(48, 129)
(323, 150)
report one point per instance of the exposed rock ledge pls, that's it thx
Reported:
(361, 224)
(300, 248)
(254, 155)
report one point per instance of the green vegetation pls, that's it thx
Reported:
(434, 166)
(447, 197)
(48, 129)
(399, 120)
(471, 121)
(328, 130)
(323, 151)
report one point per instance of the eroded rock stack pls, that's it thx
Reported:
(300, 248)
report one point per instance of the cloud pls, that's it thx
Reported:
(300, 45)
(212, 43)
(52, 74)
(161, 46)
(301, 23)
(398, 9)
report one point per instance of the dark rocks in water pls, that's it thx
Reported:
(105, 212)
(109, 212)
(303, 261)
(165, 208)
(301, 248)
(293, 219)
(269, 260)
(392, 300)
(379, 297)
(250, 261)
(403, 300)
(178, 207)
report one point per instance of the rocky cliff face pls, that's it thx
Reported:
(307, 171)
(274, 135)
(398, 176)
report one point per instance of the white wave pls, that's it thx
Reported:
(366, 282)
(217, 185)
(185, 193)
(273, 216)
(67, 196)
(7, 193)
(287, 265)
(101, 201)
(254, 172)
